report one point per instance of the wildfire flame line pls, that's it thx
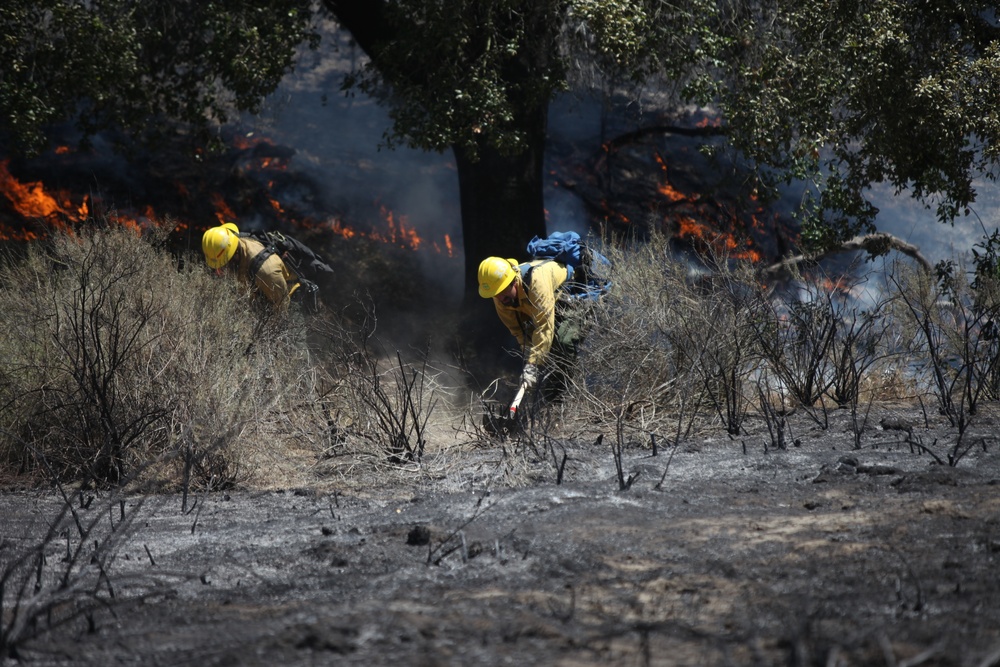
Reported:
(57, 210)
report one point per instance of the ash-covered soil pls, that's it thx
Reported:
(819, 554)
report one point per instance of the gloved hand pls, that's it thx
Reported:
(529, 376)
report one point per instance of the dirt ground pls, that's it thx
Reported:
(728, 552)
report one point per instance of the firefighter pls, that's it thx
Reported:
(527, 298)
(254, 264)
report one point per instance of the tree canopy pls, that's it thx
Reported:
(849, 93)
(458, 74)
(126, 65)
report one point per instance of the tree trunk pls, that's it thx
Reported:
(502, 203)
(501, 195)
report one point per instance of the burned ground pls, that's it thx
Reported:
(818, 554)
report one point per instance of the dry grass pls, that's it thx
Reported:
(123, 366)
(127, 364)
(677, 347)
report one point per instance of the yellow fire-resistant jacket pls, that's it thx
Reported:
(533, 320)
(274, 279)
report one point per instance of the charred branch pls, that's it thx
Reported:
(875, 245)
(637, 136)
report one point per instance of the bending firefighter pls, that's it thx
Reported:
(526, 297)
(254, 263)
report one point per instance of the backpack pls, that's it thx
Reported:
(297, 256)
(586, 269)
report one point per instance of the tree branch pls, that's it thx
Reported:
(876, 244)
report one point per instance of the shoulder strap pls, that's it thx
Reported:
(264, 238)
(258, 261)
(267, 239)
(526, 269)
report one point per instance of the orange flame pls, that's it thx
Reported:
(838, 287)
(33, 202)
(671, 193)
(222, 210)
(400, 233)
(666, 189)
(30, 199)
(701, 233)
(339, 228)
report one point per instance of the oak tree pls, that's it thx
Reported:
(131, 66)
(476, 77)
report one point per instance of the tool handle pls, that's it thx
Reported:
(517, 399)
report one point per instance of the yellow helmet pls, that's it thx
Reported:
(495, 274)
(219, 244)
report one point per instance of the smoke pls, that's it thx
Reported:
(312, 161)
(338, 140)
(916, 223)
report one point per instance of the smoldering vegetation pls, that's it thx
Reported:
(127, 365)
(129, 371)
